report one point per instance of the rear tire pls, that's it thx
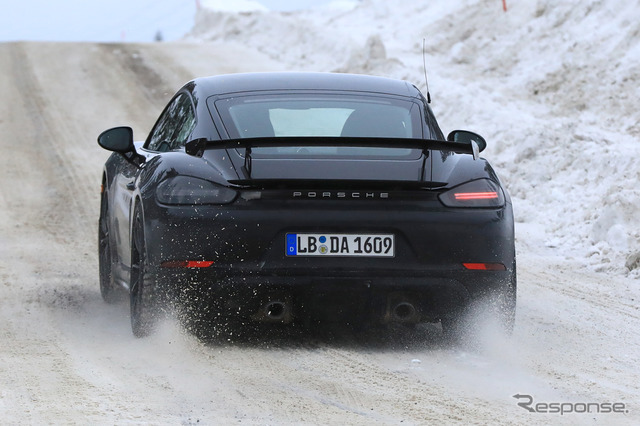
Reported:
(143, 301)
(108, 288)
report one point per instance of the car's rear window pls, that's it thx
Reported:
(287, 115)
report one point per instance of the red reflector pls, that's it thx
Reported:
(187, 264)
(475, 195)
(485, 266)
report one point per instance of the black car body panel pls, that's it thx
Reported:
(216, 216)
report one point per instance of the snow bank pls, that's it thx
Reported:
(553, 86)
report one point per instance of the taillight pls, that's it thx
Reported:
(467, 196)
(477, 193)
(187, 190)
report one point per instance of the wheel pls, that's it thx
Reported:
(108, 288)
(143, 302)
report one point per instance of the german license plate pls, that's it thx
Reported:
(363, 245)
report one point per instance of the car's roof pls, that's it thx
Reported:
(253, 82)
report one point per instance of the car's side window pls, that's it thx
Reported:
(174, 126)
(187, 124)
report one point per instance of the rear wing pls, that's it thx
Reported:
(197, 147)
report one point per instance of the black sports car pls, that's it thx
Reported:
(295, 197)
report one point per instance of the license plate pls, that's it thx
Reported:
(363, 245)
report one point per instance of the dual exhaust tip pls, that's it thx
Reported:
(279, 311)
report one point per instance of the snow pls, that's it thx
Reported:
(553, 87)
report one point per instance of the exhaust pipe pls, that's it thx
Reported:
(274, 311)
(401, 308)
(404, 312)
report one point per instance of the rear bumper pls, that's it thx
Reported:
(341, 297)
(250, 267)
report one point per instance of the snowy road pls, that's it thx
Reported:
(68, 358)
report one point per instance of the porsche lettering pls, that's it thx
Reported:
(341, 195)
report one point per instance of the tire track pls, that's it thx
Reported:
(589, 288)
(41, 151)
(131, 60)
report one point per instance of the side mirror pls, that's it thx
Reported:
(466, 137)
(118, 139)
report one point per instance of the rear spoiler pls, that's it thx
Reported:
(197, 147)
